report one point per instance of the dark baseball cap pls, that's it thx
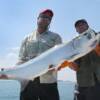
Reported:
(80, 21)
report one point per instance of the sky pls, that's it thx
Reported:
(19, 17)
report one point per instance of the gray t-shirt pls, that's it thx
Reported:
(89, 67)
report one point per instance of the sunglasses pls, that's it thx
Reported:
(45, 17)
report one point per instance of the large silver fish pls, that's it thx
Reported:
(70, 51)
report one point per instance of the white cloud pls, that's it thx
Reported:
(9, 59)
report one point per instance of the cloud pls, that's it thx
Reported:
(9, 59)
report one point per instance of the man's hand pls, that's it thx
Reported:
(3, 76)
(71, 65)
(51, 68)
(63, 65)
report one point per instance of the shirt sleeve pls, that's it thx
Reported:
(23, 52)
(58, 40)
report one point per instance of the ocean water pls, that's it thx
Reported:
(10, 90)
(66, 90)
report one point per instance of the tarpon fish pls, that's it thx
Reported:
(72, 50)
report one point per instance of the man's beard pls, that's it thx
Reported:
(44, 27)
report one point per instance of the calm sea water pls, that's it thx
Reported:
(9, 90)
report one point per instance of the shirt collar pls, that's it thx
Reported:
(41, 33)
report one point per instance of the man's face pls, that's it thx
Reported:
(43, 21)
(81, 27)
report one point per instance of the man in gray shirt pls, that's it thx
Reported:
(39, 41)
(87, 68)
(88, 74)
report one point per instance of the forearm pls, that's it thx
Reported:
(97, 49)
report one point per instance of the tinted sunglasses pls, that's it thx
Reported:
(44, 16)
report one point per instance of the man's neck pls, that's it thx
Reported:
(40, 31)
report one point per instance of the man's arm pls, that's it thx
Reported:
(22, 53)
(97, 49)
(71, 65)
